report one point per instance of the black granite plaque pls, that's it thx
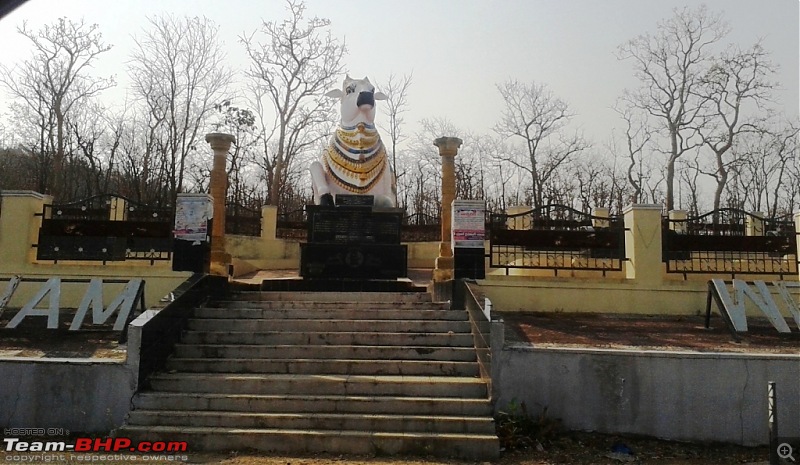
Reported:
(353, 225)
(351, 200)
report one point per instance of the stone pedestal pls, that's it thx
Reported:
(220, 144)
(448, 149)
(353, 242)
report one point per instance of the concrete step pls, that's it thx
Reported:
(344, 338)
(333, 313)
(323, 367)
(345, 297)
(330, 326)
(321, 305)
(466, 446)
(358, 385)
(325, 352)
(316, 421)
(290, 403)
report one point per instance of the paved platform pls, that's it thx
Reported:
(419, 276)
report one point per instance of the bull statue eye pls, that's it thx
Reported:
(350, 89)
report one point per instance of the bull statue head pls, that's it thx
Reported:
(355, 160)
(357, 98)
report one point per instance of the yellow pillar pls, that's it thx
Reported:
(269, 222)
(220, 144)
(118, 210)
(797, 236)
(599, 213)
(520, 222)
(754, 225)
(448, 149)
(19, 228)
(643, 244)
(678, 223)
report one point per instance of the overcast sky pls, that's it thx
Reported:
(457, 49)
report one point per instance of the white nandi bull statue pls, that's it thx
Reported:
(355, 160)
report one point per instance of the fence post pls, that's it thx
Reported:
(643, 243)
(797, 238)
(754, 224)
(600, 212)
(678, 223)
(269, 222)
(19, 227)
(118, 210)
(520, 222)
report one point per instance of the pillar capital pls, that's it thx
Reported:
(220, 140)
(448, 146)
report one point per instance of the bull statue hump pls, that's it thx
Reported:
(355, 161)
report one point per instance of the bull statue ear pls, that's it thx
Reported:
(335, 93)
(347, 78)
(380, 96)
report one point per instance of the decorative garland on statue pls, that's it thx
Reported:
(355, 159)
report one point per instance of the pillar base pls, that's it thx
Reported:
(444, 269)
(220, 263)
(441, 291)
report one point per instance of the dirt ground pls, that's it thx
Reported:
(564, 448)
(646, 332)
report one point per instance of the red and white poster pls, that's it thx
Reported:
(468, 228)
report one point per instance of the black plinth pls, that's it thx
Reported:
(353, 261)
(469, 263)
(352, 241)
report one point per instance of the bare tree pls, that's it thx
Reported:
(539, 118)
(736, 78)
(671, 65)
(396, 91)
(637, 137)
(178, 74)
(295, 63)
(689, 171)
(54, 80)
(763, 171)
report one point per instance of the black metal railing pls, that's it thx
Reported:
(164, 329)
(556, 237)
(102, 228)
(729, 241)
(242, 220)
(292, 225)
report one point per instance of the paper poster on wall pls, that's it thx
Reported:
(468, 229)
(192, 213)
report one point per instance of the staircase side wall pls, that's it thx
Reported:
(79, 395)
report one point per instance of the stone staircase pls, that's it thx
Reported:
(380, 373)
